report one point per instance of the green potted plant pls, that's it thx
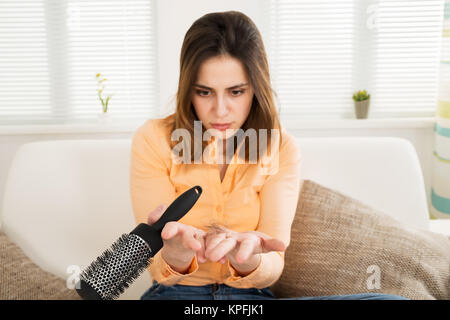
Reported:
(362, 103)
(104, 116)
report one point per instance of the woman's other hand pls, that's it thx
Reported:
(242, 249)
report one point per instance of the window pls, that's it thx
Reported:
(50, 52)
(320, 52)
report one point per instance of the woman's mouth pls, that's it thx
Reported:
(221, 126)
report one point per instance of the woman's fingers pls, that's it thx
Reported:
(190, 242)
(212, 240)
(250, 243)
(156, 214)
(272, 244)
(246, 248)
(201, 253)
(221, 250)
(219, 241)
(181, 244)
(217, 244)
(268, 244)
(190, 238)
(170, 230)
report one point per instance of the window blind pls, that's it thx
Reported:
(51, 51)
(321, 52)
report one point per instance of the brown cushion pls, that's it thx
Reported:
(21, 279)
(340, 246)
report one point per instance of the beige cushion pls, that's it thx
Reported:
(21, 279)
(342, 246)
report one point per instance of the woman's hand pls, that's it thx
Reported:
(243, 249)
(180, 242)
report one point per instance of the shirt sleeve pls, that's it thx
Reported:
(150, 186)
(279, 198)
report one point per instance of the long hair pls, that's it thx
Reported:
(232, 34)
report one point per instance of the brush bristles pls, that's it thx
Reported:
(118, 267)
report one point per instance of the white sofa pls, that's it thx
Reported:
(66, 201)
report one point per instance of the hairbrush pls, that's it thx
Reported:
(116, 268)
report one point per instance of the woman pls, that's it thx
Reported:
(231, 243)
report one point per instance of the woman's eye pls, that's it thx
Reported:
(237, 92)
(202, 93)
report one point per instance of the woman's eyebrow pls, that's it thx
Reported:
(233, 87)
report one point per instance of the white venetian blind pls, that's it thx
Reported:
(51, 50)
(320, 52)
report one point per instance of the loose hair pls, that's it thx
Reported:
(235, 35)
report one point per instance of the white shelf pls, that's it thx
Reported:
(289, 125)
(359, 123)
(70, 128)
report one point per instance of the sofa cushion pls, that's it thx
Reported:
(339, 245)
(21, 279)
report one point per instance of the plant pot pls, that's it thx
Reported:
(362, 109)
(104, 117)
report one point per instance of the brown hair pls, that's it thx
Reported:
(233, 34)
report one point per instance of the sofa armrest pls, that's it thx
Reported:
(440, 226)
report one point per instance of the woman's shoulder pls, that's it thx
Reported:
(156, 130)
(157, 126)
(289, 150)
(154, 134)
(288, 142)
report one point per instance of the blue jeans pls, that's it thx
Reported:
(223, 292)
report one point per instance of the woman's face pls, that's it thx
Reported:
(222, 94)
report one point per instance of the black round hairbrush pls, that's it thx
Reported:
(116, 268)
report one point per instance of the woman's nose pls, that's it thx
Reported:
(221, 107)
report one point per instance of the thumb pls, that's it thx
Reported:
(156, 214)
(170, 230)
(272, 244)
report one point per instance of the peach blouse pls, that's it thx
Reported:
(247, 199)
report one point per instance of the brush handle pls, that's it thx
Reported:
(176, 210)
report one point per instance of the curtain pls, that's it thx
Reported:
(52, 50)
(321, 52)
(440, 187)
